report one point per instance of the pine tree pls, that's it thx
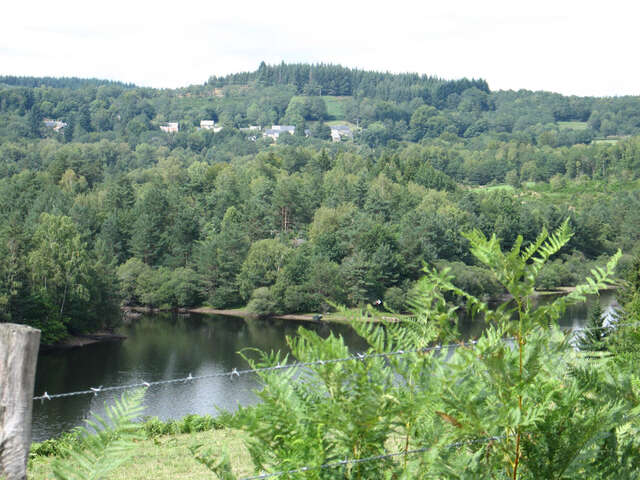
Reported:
(35, 121)
(592, 338)
(69, 129)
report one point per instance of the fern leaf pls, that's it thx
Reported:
(105, 444)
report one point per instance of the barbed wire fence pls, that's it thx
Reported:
(355, 461)
(237, 373)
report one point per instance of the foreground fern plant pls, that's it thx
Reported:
(106, 443)
(521, 403)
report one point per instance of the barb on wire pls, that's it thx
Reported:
(237, 373)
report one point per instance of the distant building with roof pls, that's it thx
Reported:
(340, 131)
(284, 128)
(275, 131)
(57, 125)
(170, 127)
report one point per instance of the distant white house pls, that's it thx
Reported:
(340, 131)
(169, 127)
(57, 125)
(250, 128)
(275, 131)
(271, 133)
(252, 132)
(284, 128)
(209, 125)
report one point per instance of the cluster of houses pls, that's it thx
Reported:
(57, 125)
(276, 130)
(210, 125)
(174, 127)
(338, 132)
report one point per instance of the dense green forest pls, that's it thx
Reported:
(103, 208)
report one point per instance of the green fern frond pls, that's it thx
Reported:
(532, 248)
(220, 465)
(487, 251)
(106, 443)
(552, 245)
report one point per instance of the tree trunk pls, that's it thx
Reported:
(64, 297)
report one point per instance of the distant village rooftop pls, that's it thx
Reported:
(275, 131)
(339, 131)
(57, 125)
(170, 127)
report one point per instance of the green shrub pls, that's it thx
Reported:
(55, 447)
(263, 302)
(395, 299)
(475, 280)
(298, 299)
(150, 427)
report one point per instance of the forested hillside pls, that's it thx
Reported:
(99, 206)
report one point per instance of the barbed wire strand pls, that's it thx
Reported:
(354, 461)
(236, 373)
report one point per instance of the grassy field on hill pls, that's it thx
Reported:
(573, 125)
(335, 106)
(342, 122)
(493, 188)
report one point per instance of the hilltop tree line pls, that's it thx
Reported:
(324, 79)
(388, 107)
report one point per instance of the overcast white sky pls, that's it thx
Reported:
(567, 46)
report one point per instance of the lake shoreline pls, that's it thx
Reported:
(133, 312)
(333, 317)
(79, 341)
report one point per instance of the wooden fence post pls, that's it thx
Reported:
(18, 357)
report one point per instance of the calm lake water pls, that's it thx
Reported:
(162, 347)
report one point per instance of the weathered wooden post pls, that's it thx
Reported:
(18, 357)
